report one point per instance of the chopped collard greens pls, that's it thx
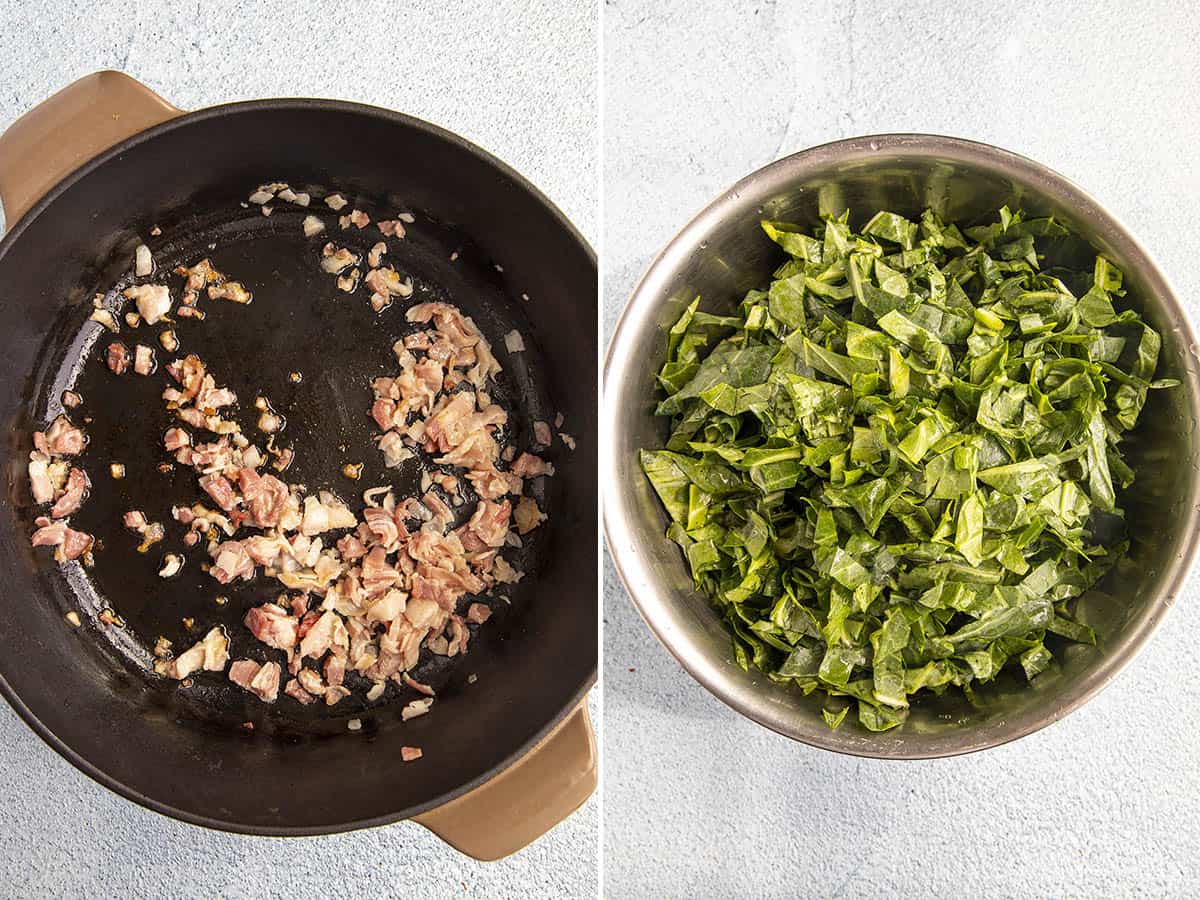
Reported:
(895, 469)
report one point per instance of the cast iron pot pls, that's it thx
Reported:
(86, 176)
(721, 254)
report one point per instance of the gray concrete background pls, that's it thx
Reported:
(517, 77)
(699, 802)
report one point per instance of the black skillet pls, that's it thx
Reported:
(483, 239)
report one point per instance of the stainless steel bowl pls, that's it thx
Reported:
(721, 254)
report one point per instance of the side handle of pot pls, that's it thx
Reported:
(526, 800)
(63, 132)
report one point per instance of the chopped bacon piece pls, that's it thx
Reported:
(391, 227)
(377, 575)
(528, 515)
(542, 434)
(418, 686)
(382, 525)
(73, 494)
(153, 301)
(297, 692)
(490, 522)
(60, 439)
(135, 520)
(335, 669)
(231, 561)
(118, 358)
(210, 654)
(143, 359)
(478, 613)
(351, 548)
(40, 482)
(408, 754)
(264, 495)
(176, 438)
(217, 487)
(530, 466)
(260, 680)
(326, 632)
(272, 626)
(68, 543)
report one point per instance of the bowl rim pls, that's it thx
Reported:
(636, 578)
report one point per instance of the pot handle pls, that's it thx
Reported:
(526, 800)
(60, 134)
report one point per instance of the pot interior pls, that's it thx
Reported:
(179, 748)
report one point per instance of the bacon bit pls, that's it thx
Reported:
(117, 358)
(312, 226)
(143, 262)
(376, 691)
(283, 459)
(233, 291)
(478, 613)
(269, 422)
(155, 231)
(260, 196)
(530, 466)
(117, 470)
(386, 282)
(392, 228)
(335, 201)
(409, 754)
(70, 399)
(135, 520)
(210, 654)
(143, 360)
(567, 439)
(416, 708)
(151, 535)
(334, 259)
(176, 438)
(287, 195)
(514, 342)
(354, 724)
(375, 255)
(169, 341)
(542, 434)
(349, 281)
(62, 438)
(104, 317)
(132, 319)
(162, 648)
(296, 691)
(172, 564)
(262, 681)
(72, 495)
(357, 218)
(407, 218)
(68, 543)
(231, 561)
(295, 377)
(153, 301)
(352, 470)
(273, 626)
(73, 618)
(267, 210)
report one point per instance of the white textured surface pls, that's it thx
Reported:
(699, 802)
(517, 78)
